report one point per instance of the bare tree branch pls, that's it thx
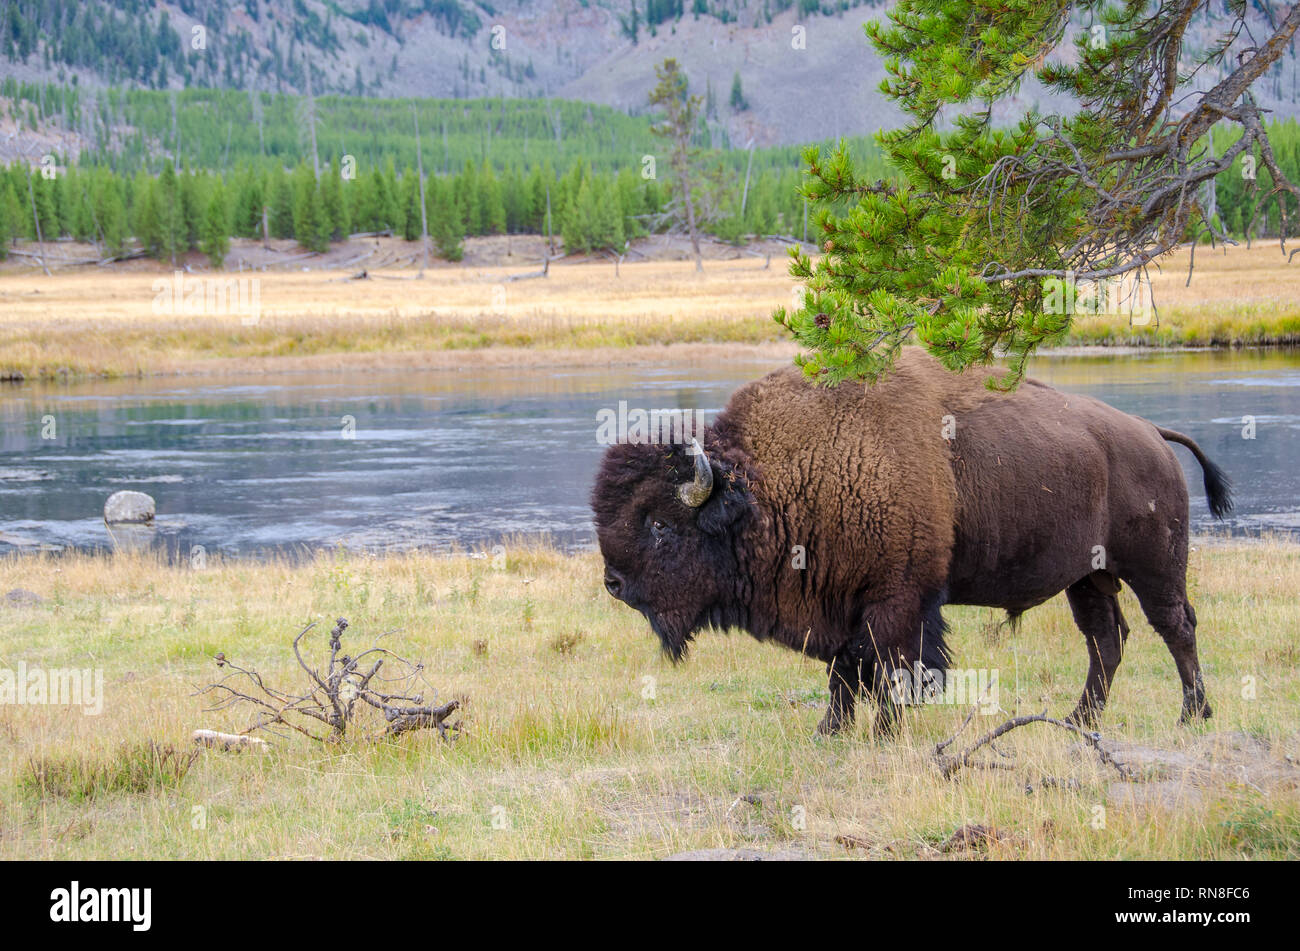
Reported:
(949, 765)
(331, 697)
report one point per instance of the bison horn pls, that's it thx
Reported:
(696, 493)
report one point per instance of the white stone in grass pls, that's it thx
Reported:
(127, 506)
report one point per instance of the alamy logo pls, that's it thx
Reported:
(103, 904)
(923, 684)
(66, 686)
(187, 296)
(654, 426)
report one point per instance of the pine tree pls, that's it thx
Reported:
(630, 198)
(380, 201)
(110, 211)
(192, 209)
(147, 223)
(393, 214)
(64, 204)
(738, 101)
(967, 249)
(10, 216)
(354, 201)
(215, 239)
(491, 202)
(47, 208)
(446, 223)
(681, 111)
(81, 211)
(173, 237)
(470, 199)
(370, 201)
(411, 205)
(281, 214)
(577, 228)
(248, 205)
(608, 230)
(760, 213)
(310, 225)
(564, 197)
(515, 198)
(632, 22)
(535, 214)
(335, 207)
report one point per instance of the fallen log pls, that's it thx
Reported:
(214, 739)
(544, 272)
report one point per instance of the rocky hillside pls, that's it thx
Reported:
(804, 68)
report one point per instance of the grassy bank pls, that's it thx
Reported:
(565, 749)
(97, 323)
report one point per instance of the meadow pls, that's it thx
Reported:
(580, 741)
(108, 322)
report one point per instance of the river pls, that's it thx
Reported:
(443, 459)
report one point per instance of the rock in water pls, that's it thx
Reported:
(128, 506)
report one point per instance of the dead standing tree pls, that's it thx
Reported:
(338, 696)
(681, 112)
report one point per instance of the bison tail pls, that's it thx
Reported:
(1218, 487)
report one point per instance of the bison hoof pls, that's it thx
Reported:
(1084, 717)
(885, 727)
(829, 725)
(1192, 714)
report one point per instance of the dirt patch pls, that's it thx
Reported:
(654, 816)
(1176, 778)
(379, 253)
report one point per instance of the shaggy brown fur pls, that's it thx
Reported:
(924, 489)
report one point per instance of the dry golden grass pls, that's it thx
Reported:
(1237, 296)
(95, 322)
(103, 322)
(567, 750)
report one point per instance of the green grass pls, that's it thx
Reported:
(1233, 325)
(581, 741)
(139, 767)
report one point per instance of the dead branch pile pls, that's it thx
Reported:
(347, 696)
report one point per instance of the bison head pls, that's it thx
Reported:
(667, 519)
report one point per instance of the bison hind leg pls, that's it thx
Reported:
(1097, 614)
(1172, 615)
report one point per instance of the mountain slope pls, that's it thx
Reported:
(602, 51)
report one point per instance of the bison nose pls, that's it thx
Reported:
(613, 582)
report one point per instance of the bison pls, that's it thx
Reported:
(839, 521)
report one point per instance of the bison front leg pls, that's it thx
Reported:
(845, 673)
(905, 638)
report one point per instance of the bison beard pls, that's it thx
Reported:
(840, 521)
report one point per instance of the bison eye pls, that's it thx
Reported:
(657, 529)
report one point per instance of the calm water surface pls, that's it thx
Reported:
(437, 459)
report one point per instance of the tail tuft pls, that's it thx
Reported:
(1218, 489)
